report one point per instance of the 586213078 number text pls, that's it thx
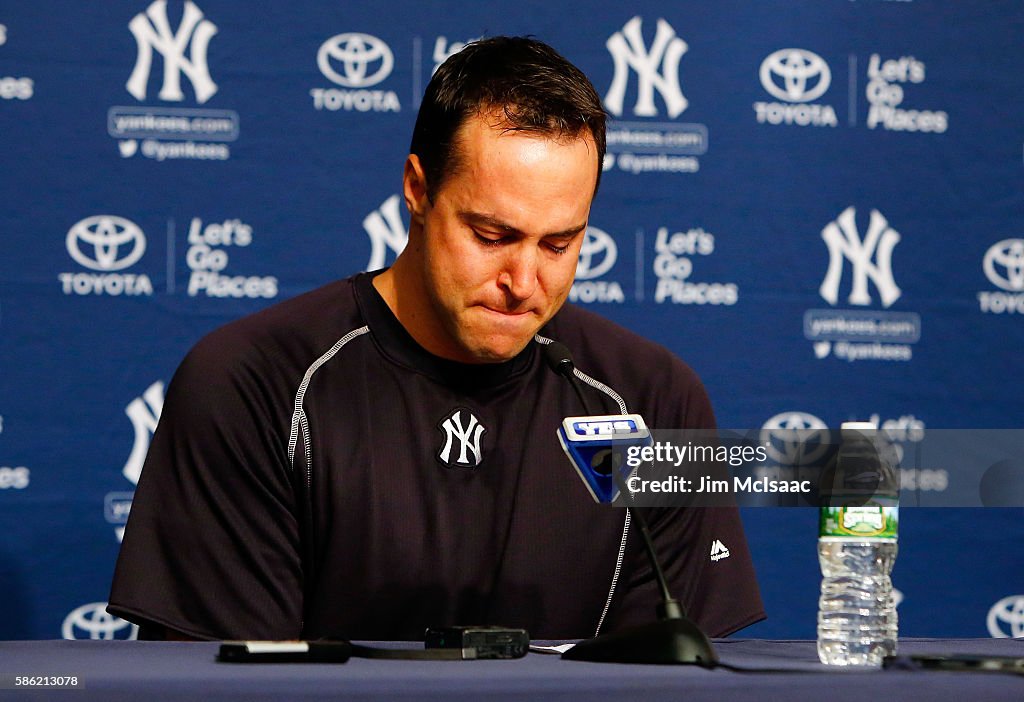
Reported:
(8, 682)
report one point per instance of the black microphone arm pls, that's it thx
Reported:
(672, 638)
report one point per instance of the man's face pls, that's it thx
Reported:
(497, 248)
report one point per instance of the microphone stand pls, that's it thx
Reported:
(672, 638)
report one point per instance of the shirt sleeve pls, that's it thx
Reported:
(211, 547)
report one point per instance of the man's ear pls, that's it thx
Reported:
(414, 188)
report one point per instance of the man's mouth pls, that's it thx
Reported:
(507, 313)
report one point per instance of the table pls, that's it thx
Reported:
(158, 671)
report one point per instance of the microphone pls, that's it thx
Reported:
(592, 444)
(558, 358)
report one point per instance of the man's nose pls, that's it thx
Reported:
(519, 271)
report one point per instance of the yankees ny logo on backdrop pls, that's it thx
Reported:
(466, 434)
(386, 231)
(144, 412)
(843, 243)
(152, 30)
(628, 51)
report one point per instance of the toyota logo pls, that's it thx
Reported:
(795, 75)
(597, 254)
(106, 242)
(795, 438)
(356, 53)
(1004, 264)
(92, 621)
(1008, 611)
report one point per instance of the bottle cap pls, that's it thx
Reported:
(853, 430)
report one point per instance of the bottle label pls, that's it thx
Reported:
(871, 521)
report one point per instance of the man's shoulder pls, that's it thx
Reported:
(652, 379)
(592, 337)
(293, 332)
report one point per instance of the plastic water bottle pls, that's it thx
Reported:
(859, 520)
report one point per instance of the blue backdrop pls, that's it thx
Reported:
(818, 205)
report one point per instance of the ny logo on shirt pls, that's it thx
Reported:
(461, 439)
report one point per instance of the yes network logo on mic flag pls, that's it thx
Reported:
(595, 446)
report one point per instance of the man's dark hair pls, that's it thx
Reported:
(532, 84)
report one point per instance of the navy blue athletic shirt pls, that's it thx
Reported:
(315, 472)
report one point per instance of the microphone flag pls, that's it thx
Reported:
(596, 446)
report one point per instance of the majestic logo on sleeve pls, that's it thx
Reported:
(152, 30)
(462, 434)
(719, 550)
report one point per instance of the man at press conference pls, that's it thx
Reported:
(380, 455)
